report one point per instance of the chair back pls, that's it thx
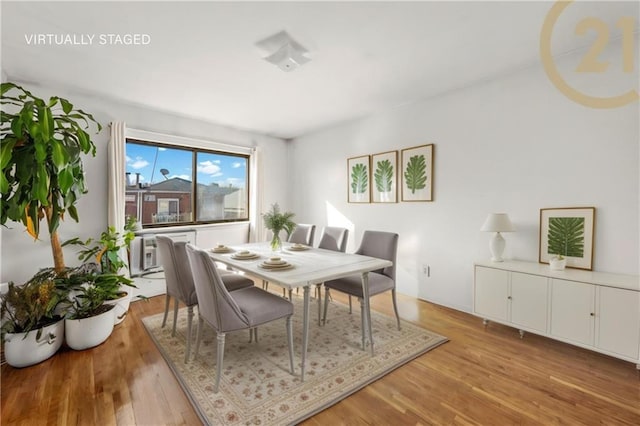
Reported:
(303, 234)
(179, 284)
(382, 245)
(215, 304)
(334, 238)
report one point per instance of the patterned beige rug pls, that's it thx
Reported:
(257, 388)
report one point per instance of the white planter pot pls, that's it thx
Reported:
(89, 332)
(121, 307)
(23, 349)
(557, 264)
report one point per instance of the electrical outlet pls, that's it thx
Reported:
(426, 270)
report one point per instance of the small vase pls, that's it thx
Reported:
(276, 242)
(557, 264)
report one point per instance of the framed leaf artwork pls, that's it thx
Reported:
(417, 173)
(358, 172)
(384, 182)
(568, 232)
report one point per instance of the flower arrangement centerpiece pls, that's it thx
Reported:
(277, 221)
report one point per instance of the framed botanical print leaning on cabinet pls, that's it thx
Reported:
(567, 233)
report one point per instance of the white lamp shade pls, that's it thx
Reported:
(498, 222)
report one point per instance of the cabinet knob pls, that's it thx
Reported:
(592, 314)
(509, 297)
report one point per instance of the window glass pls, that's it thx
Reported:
(222, 187)
(161, 181)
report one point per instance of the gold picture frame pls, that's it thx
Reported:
(417, 173)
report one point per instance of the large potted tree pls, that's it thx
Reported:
(41, 159)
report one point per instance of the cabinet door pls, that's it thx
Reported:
(529, 295)
(491, 292)
(572, 311)
(617, 320)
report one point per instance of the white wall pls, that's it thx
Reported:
(21, 256)
(515, 145)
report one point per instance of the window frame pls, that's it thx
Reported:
(195, 147)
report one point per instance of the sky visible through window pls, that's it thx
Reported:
(156, 164)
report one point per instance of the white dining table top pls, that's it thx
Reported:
(310, 266)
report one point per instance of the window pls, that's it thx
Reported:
(170, 185)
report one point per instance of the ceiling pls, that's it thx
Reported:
(202, 61)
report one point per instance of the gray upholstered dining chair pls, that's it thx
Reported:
(333, 238)
(382, 245)
(303, 234)
(179, 281)
(226, 311)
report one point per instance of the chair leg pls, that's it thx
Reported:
(290, 342)
(219, 357)
(290, 294)
(199, 335)
(326, 304)
(350, 304)
(176, 303)
(319, 297)
(253, 332)
(189, 325)
(362, 321)
(166, 310)
(395, 306)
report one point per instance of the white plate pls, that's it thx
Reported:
(276, 268)
(222, 249)
(298, 248)
(249, 256)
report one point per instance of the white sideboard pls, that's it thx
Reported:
(593, 310)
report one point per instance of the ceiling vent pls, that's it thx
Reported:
(283, 51)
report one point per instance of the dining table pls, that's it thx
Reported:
(308, 266)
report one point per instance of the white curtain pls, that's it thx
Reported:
(117, 169)
(256, 227)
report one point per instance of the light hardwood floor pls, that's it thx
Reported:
(481, 377)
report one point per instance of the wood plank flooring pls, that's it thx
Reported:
(481, 377)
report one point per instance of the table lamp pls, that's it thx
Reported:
(497, 222)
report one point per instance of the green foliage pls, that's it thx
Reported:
(359, 179)
(106, 250)
(384, 176)
(415, 174)
(276, 221)
(566, 236)
(30, 306)
(42, 173)
(92, 290)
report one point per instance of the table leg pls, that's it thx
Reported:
(367, 308)
(305, 330)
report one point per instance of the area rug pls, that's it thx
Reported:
(256, 386)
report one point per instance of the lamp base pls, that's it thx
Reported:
(496, 245)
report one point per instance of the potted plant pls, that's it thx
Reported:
(42, 173)
(277, 221)
(32, 331)
(558, 262)
(105, 252)
(90, 320)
